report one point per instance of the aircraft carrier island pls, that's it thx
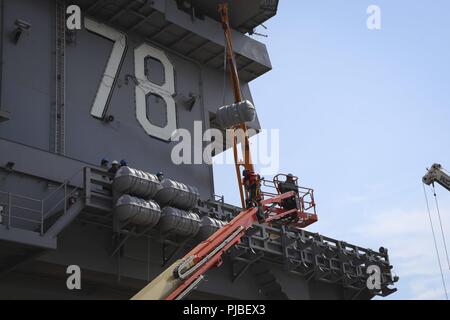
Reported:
(87, 82)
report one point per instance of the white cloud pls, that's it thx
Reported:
(394, 223)
(427, 289)
(432, 294)
(408, 236)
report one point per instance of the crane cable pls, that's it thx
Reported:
(435, 242)
(441, 226)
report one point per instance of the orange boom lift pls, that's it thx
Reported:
(184, 275)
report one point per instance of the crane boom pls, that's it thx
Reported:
(437, 175)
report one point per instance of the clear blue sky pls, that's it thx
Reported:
(362, 114)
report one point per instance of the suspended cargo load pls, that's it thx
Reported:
(132, 210)
(209, 226)
(235, 114)
(177, 195)
(179, 222)
(136, 183)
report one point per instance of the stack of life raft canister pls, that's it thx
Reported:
(144, 201)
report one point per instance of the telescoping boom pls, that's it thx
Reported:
(185, 274)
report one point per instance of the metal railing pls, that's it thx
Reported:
(11, 202)
(60, 200)
(315, 256)
(18, 210)
(305, 196)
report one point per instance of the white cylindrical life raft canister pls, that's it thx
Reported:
(179, 222)
(235, 114)
(136, 183)
(137, 211)
(177, 195)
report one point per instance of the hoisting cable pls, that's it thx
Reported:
(435, 242)
(440, 223)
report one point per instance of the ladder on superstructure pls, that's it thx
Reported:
(59, 114)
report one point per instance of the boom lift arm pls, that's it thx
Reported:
(437, 175)
(185, 274)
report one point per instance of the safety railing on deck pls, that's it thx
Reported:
(60, 200)
(29, 213)
(21, 209)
